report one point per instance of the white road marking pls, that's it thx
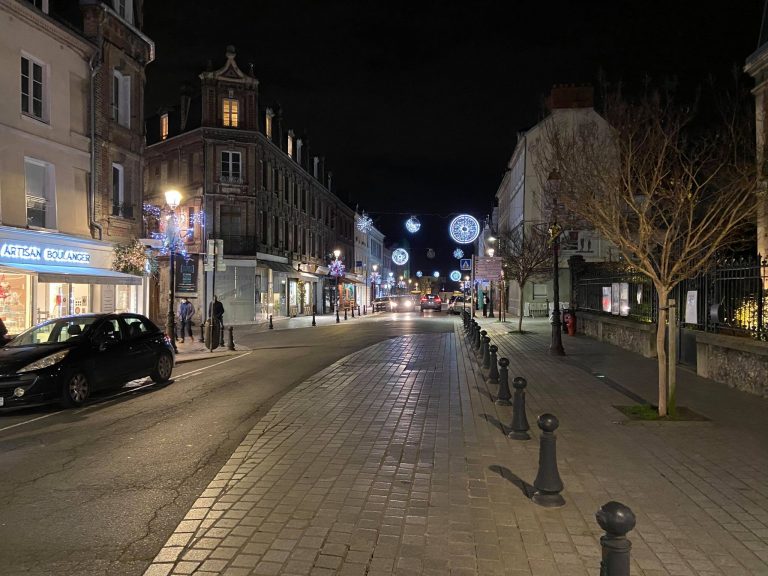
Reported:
(124, 392)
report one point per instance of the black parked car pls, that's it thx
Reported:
(67, 358)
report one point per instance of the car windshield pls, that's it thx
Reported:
(54, 331)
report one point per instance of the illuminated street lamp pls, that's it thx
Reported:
(336, 255)
(375, 267)
(172, 199)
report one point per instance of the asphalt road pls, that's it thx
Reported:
(98, 490)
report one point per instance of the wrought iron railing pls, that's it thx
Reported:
(731, 297)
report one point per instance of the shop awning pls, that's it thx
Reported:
(74, 274)
(278, 266)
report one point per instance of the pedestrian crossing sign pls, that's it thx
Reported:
(466, 264)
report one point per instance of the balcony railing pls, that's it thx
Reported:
(238, 245)
(230, 179)
(122, 210)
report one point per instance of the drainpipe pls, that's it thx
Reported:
(95, 66)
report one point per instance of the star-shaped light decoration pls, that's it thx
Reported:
(364, 223)
(458, 253)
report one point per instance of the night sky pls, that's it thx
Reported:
(416, 105)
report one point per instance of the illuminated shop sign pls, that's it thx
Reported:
(40, 254)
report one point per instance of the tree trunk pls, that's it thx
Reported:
(520, 311)
(661, 349)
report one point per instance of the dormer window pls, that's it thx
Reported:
(229, 112)
(124, 9)
(164, 126)
(268, 123)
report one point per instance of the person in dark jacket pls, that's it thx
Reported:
(485, 305)
(216, 314)
(186, 311)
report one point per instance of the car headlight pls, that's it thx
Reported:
(393, 304)
(46, 362)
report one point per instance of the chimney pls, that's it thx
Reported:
(299, 146)
(316, 167)
(184, 106)
(570, 96)
(321, 170)
(279, 126)
(330, 180)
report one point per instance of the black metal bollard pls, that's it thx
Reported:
(314, 323)
(358, 310)
(502, 398)
(493, 371)
(482, 345)
(616, 519)
(486, 352)
(221, 335)
(353, 311)
(271, 326)
(231, 343)
(337, 315)
(548, 483)
(365, 310)
(478, 336)
(519, 424)
(345, 313)
(202, 332)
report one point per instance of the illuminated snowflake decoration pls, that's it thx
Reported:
(430, 253)
(336, 268)
(436, 274)
(364, 223)
(458, 253)
(419, 274)
(455, 276)
(412, 224)
(464, 229)
(400, 256)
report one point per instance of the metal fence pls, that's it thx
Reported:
(731, 297)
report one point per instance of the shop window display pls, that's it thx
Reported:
(14, 302)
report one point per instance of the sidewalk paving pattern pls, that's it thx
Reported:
(392, 461)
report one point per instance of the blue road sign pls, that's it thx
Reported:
(466, 264)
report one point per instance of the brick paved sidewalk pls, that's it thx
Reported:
(391, 461)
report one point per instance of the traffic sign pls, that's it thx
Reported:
(466, 264)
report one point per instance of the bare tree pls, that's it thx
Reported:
(667, 192)
(525, 255)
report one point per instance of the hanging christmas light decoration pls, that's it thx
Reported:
(464, 229)
(336, 268)
(412, 224)
(455, 275)
(430, 253)
(364, 223)
(400, 256)
(458, 253)
(419, 274)
(436, 274)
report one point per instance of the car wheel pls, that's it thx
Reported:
(163, 369)
(75, 391)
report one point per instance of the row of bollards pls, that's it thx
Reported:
(615, 518)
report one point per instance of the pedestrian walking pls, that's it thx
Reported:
(485, 305)
(186, 312)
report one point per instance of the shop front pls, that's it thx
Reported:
(48, 275)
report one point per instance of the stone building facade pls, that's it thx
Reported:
(253, 185)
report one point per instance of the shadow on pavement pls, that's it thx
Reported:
(527, 489)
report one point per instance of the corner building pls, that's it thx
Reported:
(250, 183)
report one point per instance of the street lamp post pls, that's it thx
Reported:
(336, 254)
(556, 345)
(375, 267)
(491, 252)
(173, 199)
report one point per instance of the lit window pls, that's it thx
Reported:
(164, 126)
(229, 112)
(230, 166)
(40, 193)
(33, 88)
(121, 99)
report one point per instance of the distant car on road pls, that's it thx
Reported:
(381, 304)
(67, 358)
(431, 302)
(401, 304)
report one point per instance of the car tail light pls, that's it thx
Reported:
(423, 298)
(437, 299)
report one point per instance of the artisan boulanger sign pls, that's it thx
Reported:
(44, 254)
